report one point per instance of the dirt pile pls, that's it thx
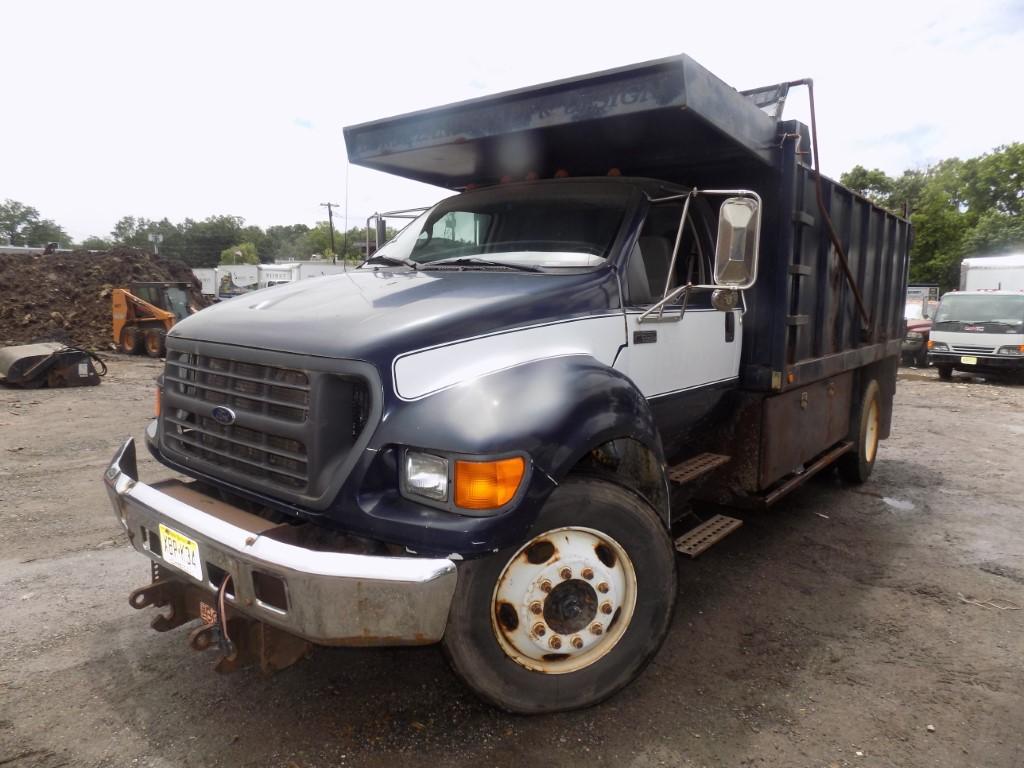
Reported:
(66, 296)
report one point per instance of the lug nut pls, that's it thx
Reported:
(602, 587)
(588, 573)
(606, 607)
(565, 573)
(545, 586)
(577, 642)
(539, 630)
(536, 608)
(555, 642)
(596, 629)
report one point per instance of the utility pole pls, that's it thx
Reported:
(330, 223)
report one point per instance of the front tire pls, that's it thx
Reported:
(921, 359)
(574, 614)
(155, 343)
(131, 340)
(945, 372)
(856, 466)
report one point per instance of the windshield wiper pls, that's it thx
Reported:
(476, 261)
(392, 261)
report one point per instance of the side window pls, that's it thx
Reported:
(647, 273)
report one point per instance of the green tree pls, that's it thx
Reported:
(284, 242)
(959, 208)
(243, 253)
(21, 224)
(95, 243)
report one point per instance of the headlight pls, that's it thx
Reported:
(426, 475)
(1014, 350)
(938, 346)
(915, 335)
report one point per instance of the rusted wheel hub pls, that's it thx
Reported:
(564, 600)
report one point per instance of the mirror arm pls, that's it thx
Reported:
(679, 239)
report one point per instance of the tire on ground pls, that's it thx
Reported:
(131, 340)
(471, 643)
(866, 419)
(155, 342)
(945, 372)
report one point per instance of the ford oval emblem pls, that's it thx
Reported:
(223, 415)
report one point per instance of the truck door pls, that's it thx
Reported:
(681, 365)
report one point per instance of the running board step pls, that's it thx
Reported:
(695, 467)
(698, 539)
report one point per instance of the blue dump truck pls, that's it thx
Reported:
(496, 433)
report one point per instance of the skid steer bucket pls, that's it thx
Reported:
(49, 364)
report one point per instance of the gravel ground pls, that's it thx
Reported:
(846, 627)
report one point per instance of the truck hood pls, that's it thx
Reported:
(377, 314)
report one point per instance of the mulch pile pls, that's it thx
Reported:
(66, 296)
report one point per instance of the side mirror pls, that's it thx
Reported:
(739, 229)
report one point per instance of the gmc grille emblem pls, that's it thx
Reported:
(223, 415)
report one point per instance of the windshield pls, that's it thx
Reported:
(981, 308)
(547, 225)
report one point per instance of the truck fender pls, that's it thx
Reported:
(560, 410)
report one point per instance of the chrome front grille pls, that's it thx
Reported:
(965, 349)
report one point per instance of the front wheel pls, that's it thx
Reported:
(575, 613)
(921, 358)
(945, 372)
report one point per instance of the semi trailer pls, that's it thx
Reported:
(499, 432)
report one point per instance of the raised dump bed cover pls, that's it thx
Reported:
(643, 120)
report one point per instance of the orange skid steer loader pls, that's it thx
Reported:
(144, 312)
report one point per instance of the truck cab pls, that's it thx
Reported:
(490, 434)
(978, 332)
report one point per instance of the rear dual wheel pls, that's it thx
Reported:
(572, 615)
(866, 419)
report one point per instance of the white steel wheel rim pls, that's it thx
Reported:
(564, 600)
(871, 435)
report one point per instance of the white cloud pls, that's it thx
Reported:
(191, 109)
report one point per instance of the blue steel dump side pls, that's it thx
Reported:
(673, 120)
(803, 323)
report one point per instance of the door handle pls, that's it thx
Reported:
(730, 326)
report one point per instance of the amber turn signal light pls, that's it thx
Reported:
(487, 484)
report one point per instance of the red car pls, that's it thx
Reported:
(915, 341)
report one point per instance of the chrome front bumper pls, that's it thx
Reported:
(329, 597)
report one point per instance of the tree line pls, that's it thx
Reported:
(206, 243)
(958, 208)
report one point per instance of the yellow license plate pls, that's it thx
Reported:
(969, 360)
(181, 552)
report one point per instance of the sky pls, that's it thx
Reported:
(191, 109)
